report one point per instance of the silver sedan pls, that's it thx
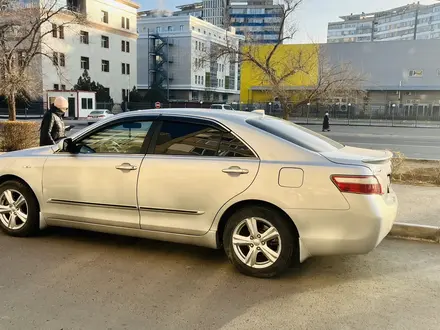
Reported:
(269, 192)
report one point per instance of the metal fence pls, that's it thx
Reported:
(404, 115)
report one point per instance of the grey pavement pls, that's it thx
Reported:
(70, 279)
(418, 205)
(423, 143)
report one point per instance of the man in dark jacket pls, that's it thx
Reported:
(52, 127)
(326, 123)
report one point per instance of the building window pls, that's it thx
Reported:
(125, 68)
(416, 73)
(105, 66)
(170, 28)
(61, 32)
(85, 63)
(62, 60)
(125, 94)
(181, 28)
(86, 103)
(56, 87)
(105, 42)
(55, 58)
(158, 29)
(84, 37)
(125, 23)
(54, 31)
(104, 17)
(125, 46)
(63, 87)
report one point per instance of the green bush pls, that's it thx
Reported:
(18, 135)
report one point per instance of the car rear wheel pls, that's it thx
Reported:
(260, 242)
(19, 211)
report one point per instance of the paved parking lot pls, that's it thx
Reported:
(69, 279)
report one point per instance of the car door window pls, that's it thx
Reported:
(187, 139)
(231, 146)
(125, 138)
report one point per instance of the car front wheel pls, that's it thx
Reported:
(260, 242)
(19, 211)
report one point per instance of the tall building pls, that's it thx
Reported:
(192, 9)
(104, 45)
(411, 22)
(173, 57)
(257, 20)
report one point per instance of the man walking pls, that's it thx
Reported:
(52, 127)
(326, 123)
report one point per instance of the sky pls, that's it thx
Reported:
(313, 16)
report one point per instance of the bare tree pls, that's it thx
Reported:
(23, 34)
(291, 75)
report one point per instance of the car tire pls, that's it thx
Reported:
(28, 208)
(284, 245)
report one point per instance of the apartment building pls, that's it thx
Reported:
(192, 9)
(257, 20)
(173, 56)
(410, 22)
(105, 46)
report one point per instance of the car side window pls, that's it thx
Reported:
(231, 146)
(125, 138)
(187, 139)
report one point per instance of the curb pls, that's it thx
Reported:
(415, 232)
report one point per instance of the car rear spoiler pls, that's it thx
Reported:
(379, 160)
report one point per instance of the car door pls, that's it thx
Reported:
(98, 184)
(192, 169)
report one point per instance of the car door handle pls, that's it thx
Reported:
(126, 167)
(235, 170)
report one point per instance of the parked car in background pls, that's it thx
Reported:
(271, 193)
(98, 114)
(221, 107)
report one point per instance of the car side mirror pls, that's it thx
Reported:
(69, 146)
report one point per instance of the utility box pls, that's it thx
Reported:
(81, 103)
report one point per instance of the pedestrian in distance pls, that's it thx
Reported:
(52, 126)
(326, 123)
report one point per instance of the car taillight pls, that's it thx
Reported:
(102, 116)
(358, 184)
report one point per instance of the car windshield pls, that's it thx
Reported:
(296, 134)
(97, 112)
(227, 107)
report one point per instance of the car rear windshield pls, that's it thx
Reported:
(97, 112)
(228, 107)
(295, 134)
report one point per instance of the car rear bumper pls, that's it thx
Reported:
(355, 231)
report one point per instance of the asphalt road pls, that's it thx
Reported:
(423, 143)
(70, 279)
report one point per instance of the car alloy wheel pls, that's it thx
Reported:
(13, 209)
(256, 243)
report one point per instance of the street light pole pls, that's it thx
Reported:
(270, 108)
(308, 111)
(348, 113)
(392, 114)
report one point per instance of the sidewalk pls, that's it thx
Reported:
(418, 205)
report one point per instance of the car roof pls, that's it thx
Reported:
(238, 117)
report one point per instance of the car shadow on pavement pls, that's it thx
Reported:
(183, 283)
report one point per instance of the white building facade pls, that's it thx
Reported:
(105, 46)
(411, 22)
(173, 56)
